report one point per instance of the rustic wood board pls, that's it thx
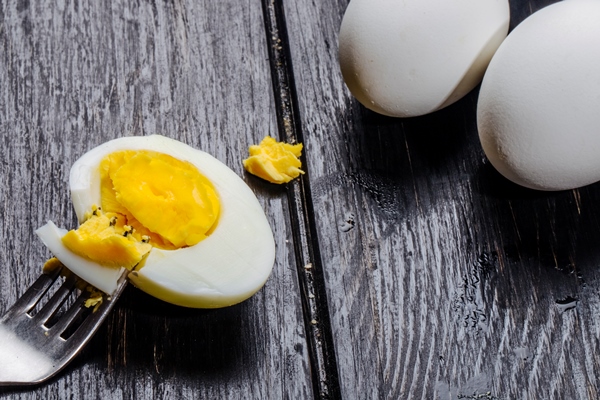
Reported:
(75, 74)
(443, 279)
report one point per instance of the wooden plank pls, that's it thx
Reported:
(444, 280)
(75, 74)
(308, 259)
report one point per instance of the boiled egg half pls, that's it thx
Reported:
(190, 230)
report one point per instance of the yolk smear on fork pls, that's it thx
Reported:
(148, 199)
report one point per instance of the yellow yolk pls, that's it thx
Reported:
(51, 264)
(148, 199)
(95, 300)
(106, 239)
(274, 161)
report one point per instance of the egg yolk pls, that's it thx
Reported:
(148, 199)
(276, 162)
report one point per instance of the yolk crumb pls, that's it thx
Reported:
(276, 162)
(148, 199)
(95, 300)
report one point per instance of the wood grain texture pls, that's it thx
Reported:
(75, 74)
(444, 280)
(306, 245)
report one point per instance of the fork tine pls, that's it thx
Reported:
(57, 299)
(32, 295)
(95, 319)
(71, 315)
(30, 353)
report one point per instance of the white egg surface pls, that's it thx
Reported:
(412, 57)
(538, 110)
(231, 264)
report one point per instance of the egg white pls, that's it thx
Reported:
(413, 57)
(537, 113)
(227, 267)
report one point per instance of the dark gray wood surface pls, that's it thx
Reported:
(444, 280)
(433, 277)
(75, 74)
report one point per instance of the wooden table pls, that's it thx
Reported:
(429, 275)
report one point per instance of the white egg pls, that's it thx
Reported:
(412, 57)
(225, 268)
(538, 110)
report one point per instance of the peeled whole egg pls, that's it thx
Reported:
(538, 110)
(231, 264)
(412, 57)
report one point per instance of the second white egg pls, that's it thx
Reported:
(537, 113)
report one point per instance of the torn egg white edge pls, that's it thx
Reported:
(242, 220)
(103, 278)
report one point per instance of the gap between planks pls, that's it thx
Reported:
(306, 247)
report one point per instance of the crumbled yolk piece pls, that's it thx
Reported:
(276, 162)
(148, 199)
(96, 298)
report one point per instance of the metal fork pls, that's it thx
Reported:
(32, 350)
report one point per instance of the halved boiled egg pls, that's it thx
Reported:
(189, 229)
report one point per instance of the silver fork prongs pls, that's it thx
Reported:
(34, 346)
